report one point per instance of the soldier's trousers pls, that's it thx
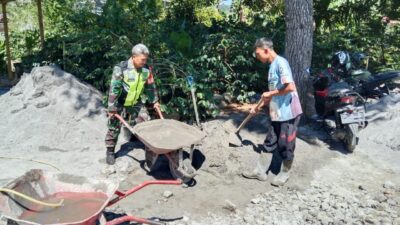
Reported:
(133, 115)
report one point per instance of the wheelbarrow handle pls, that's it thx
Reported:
(133, 218)
(158, 110)
(126, 124)
(121, 195)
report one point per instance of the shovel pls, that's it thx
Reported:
(234, 138)
(190, 81)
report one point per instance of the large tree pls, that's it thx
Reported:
(298, 47)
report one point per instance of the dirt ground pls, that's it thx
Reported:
(52, 117)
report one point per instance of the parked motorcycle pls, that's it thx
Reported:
(348, 67)
(340, 108)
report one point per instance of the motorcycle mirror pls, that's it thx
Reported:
(308, 70)
(311, 71)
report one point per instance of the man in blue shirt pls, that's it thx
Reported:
(284, 109)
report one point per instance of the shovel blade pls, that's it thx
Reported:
(234, 140)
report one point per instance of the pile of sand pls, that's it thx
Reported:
(224, 159)
(383, 116)
(52, 116)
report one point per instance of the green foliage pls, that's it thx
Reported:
(181, 41)
(356, 26)
(193, 37)
(207, 15)
(3, 65)
(227, 63)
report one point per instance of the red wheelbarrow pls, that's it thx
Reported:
(82, 199)
(167, 137)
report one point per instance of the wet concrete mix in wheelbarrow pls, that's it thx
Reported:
(75, 207)
(51, 116)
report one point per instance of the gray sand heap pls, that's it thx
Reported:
(384, 117)
(223, 159)
(52, 116)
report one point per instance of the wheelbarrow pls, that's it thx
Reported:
(169, 138)
(82, 200)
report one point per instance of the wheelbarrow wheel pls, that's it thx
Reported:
(186, 172)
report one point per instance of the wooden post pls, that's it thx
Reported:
(7, 37)
(41, 26)
(64, 63)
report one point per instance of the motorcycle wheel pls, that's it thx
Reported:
(351, 138)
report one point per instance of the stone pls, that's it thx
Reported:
(229, 206)
(386, 221)
(249, 219)
(380, 207)
(373, 203)
(388, 192)
(303, 208)
(326, 195)
(295, 207)
(315, 185)
(380, 197)
(15, 92)
(167, 194)
(325, 206)
(42, 104)
(392, 202)
(125, 165)
(313, 213)
(369, 219)
(389, 185)
(323, 218)
(108, 170)
(256, 200)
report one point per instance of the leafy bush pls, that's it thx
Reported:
(191, 37)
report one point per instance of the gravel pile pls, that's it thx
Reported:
(320, 204)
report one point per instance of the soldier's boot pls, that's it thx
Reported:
(283, 176)
(110, 156)
(260, 172)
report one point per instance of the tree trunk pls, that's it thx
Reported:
(240, 11)
(7, 41)
(298, 48)
(41, 26)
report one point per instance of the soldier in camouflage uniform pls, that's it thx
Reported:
(132, 85)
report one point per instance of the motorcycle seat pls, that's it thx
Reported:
(339, 89)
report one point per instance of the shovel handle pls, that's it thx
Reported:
(248, 117)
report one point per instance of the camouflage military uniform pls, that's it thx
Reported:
(130, 89)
